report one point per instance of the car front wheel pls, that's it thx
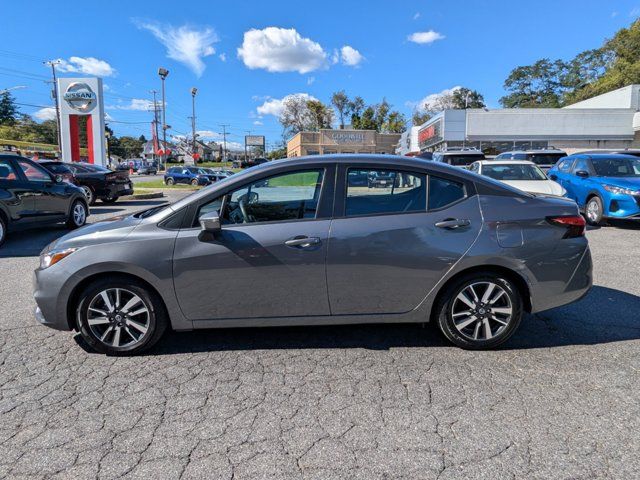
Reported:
(120, 317)
(169, 181)
(479, 311)
(194, 182)
(594, 211)
(3, 230)
(78, 215)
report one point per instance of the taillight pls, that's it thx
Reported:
(574, 224)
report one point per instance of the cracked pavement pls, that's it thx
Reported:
(560, 400)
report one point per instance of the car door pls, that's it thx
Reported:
(268, 260)
(561, 173)
(390, 246)
(581, 186)
(51, 198)
(16, 196)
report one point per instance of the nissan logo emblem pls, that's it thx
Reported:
(80, 97)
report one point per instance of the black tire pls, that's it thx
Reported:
(169, 181)
(593, 211)
(109, 201)
(77, 215)
(157, 317)
(194, 182)
(3, 230)
(89, 194)
(462, 337)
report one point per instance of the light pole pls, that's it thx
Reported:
(194, 90)
(248, 132)
(52, 64)
(163, 72)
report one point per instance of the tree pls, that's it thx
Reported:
(341, 103)
(295, 117)
(463, 98)
(395, 123)
(8, 109)
(320, 115)
(537, 85)
(142, 139)
(418, 117)
(355, 109)
(125, 147)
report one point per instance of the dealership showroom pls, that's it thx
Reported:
(360, 400)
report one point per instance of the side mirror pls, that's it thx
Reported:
(582, 173)
(553, 177)
(210, 222)
(58, 179)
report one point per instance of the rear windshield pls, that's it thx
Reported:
(462, 160)
(545, 158)
(513, 172)
(57, 168)
(95, 168)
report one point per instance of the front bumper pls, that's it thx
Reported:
(48, 292)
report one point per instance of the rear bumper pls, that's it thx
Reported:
(546, 295)
(116, 190)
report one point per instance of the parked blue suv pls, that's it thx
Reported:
(603, 185)
(188, 175)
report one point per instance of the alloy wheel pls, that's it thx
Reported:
(481, 311)
(118, 318)
(79, 214)
(88, 193)
(593, 211)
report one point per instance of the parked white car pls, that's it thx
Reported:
(526, 176)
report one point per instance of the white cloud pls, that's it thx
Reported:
(86, 65)
(281, 50)
(310, 80)
(185, 44)
(416, 15)
(208, 135)
(47, 113)
(425, 38)
(136, 104)
(335, 56)
(274, 106)
(434, 101)
(614, 14)
(223, 57)
(258, 123)
(350, 56)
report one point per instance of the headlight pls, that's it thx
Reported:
(54, 256)
(620, 190)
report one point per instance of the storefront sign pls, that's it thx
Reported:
(347, 137)
(430, 134)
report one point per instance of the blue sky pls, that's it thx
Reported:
(245, 56)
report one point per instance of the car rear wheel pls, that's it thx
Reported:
(3, 230)
(88, 193)
(169, 181)
(594, 211)
(479, 311)
(194, 182)
(78, 215)
(120, 317)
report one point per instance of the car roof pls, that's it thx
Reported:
(504, 162)
(536, 150)
(596, 156)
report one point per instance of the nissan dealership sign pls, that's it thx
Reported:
(80, 97)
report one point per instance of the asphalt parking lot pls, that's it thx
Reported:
(559, 400)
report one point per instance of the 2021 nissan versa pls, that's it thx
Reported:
(296, 242)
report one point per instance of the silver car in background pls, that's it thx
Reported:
(306, 241)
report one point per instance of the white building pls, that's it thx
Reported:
(610, 120)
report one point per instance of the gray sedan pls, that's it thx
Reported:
(303, 242)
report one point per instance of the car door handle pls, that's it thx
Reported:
(302, 242)
(452, 223)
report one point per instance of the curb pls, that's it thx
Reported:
(145, 196)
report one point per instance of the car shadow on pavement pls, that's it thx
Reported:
(104, 211)
(29, 243)
(605, 315)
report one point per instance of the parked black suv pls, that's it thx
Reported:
(545, 158)
(101, 183)
(31, 196)
(458, 156)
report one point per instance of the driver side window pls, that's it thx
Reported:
(290, 196)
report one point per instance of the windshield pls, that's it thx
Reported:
(57, 168)
(616, 167)
(513, 172)
(461, 160)
(545, 158)
(95, 168)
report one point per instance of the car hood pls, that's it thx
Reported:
(537, 186)
(107, 231)
(624, 182)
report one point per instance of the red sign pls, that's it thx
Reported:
(427, 133)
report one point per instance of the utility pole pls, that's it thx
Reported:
(224, 140)
(163, 72)
(155, 122)
(248, 132)
(52, 64)
(194, 90)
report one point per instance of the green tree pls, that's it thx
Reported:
(537, 85)
(321, 116)
(395, 123)
(341, 103)
(463, 98)
(355, 109)
(418, 117)
(8, 109)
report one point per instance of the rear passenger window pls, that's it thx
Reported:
(443, 192)
(6, 171)
(371, 192)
